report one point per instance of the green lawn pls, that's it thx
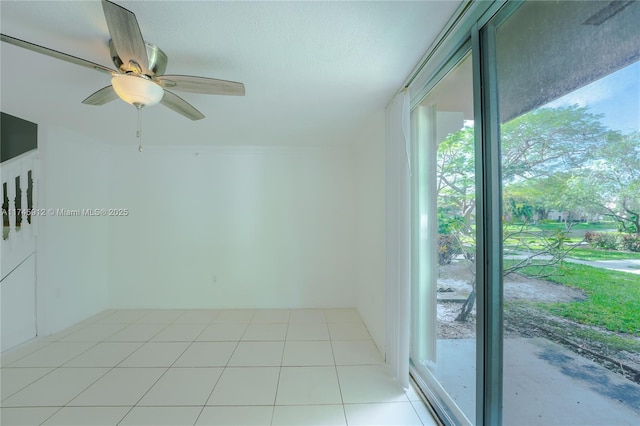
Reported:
(584, 226)
(613, 298)
(531, 238)
(576, 234)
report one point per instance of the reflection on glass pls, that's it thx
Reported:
(570, 152)
(5, 212)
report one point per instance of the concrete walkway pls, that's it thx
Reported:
(628, 265)
(544, 384)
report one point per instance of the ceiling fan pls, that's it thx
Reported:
(139, 76)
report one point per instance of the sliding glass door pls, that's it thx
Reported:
(526, 217)
(568, 81)
(443, 349)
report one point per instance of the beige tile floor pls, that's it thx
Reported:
(206, 367)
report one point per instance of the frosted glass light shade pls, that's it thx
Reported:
(137, 91)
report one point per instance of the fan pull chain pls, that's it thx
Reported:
(139, 131)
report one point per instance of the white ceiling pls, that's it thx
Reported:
(315, 72)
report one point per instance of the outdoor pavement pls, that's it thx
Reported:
(629, 265)
(544, 384)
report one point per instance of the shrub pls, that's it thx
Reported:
(603, 240)
(448, 246)
(630, 242)
(589, 236)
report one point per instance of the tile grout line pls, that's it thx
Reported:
(83, 390)
(2, 398)
(112, 368)
(109, 369)
(335, 365)
(275, 397)
(147, 342)
(189, 344)
(52, 414)
(168, 368)
(219, 377)
(53, 369)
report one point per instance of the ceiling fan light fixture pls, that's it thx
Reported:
(139, 77)
(137, 91)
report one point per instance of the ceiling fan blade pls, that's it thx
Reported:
(126, 36)
(179, 105)
(209, 86)
(54, 53)
(101, 97)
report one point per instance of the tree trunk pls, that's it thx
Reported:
(467, 306)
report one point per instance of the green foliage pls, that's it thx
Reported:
(612, 241)
(521, 212)
(613, 298)
(456, 193)
(448, 247)
(542, 194)
(560, 159)
(590, 226)
(611, 341)
(547, 141)
(523, 237)
(630, 242)
(633, 227)
(609, 183)
(564, 159)
(603, 240)
(456, 174)
(448, 224)
(449, 229)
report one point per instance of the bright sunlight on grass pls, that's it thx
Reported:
(613, 298)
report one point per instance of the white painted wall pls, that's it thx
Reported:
(370, 227)
(18, 304)
(72, 275)
(251, 227)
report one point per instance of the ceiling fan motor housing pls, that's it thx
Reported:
(157, 60)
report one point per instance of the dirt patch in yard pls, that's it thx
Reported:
(517, 287)
(458, 277)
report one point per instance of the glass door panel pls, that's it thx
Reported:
(569, 106)
(443, 340)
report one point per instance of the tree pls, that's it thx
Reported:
(542, 195)
(610, 183)
(548, 141)
(545, 249)
(456, 174)
(540, 150)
